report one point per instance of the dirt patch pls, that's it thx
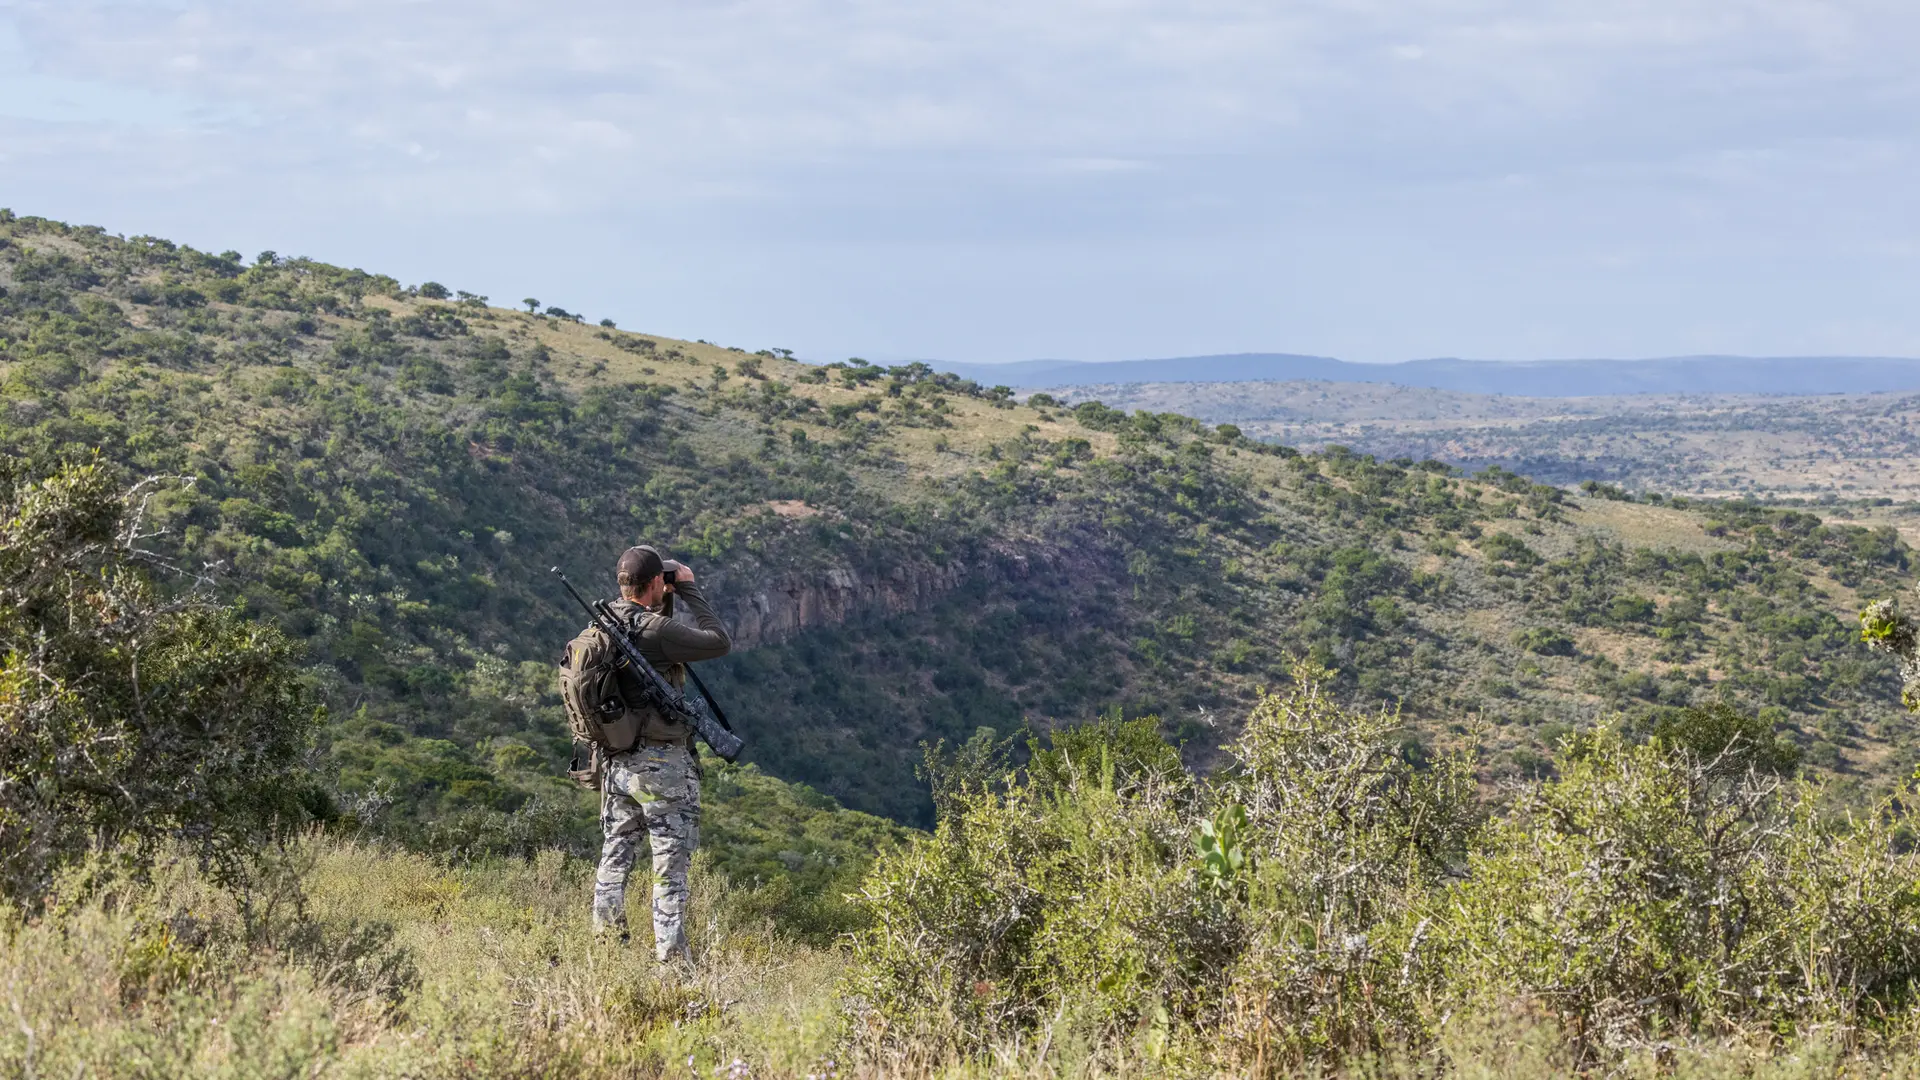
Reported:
(792, 508)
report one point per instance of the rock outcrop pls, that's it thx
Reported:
(768, 612)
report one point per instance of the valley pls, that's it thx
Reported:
(1206, 752)
(909, 558)
(1845, 447)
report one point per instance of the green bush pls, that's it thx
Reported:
(1325, 896)
(127, 717)
(1651, 892)
(1258, 916)
(1544, 640)
(1506, 548)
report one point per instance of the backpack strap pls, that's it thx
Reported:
(643, 619)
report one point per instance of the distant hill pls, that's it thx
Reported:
(1530, 378)
(905, 557)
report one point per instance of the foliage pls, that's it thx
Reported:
(1886, 629)
(1131, 749)
(971, 940)
(1726, 740)
(1651, 891)
(353, 961)
(386, 477)
(1256, 906)
(1323, 898)
(1544, 640)
(127, 719)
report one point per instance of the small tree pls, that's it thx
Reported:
(433, 290)
(128, 718)
(532, 305)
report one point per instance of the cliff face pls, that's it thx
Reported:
(768, 612)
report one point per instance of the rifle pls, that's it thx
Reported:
(659, 692)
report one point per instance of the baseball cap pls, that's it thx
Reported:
(638, 565)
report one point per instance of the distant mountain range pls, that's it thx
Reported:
(1524, 378)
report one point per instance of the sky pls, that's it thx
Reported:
(1375, 180)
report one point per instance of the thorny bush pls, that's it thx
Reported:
(1324, 899)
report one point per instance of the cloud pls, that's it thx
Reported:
(1355, 144)
(763, 80)
(28, 95)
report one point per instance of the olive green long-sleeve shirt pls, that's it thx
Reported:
(664, 641)
(667, 644)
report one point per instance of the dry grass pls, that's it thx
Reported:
(384, 964)
(398, 967)
(1638, 525)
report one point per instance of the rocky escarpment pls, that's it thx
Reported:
(771, 611)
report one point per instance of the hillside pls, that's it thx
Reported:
(1825, 446)
(389, 471)
(1536, 378)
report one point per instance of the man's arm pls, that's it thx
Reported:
(679, 643)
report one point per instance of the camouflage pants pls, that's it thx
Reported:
(651, 792)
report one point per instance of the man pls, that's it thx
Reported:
(654, 788)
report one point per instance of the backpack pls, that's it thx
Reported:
(598, 713)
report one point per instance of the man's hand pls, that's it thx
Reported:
(681, 572)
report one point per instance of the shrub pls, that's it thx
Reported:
(1022, 901)
(1261, 916)
(1729, 740)
(1326, 895)
(1346, 837)
(1094, 415)
(1886, 629)
(127, 718)
(1652, 891)
(1544, 640)
(1605, 491)
(1505, 547)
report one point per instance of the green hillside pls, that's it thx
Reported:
(388, 472)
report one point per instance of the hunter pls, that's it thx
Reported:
(655, 787)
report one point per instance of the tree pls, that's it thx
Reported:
(266, 258)
(433, 290)
(532, 305)
(608, 323)
(127, 717)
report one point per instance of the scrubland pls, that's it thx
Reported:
(1675, 903)
(1235, 760)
